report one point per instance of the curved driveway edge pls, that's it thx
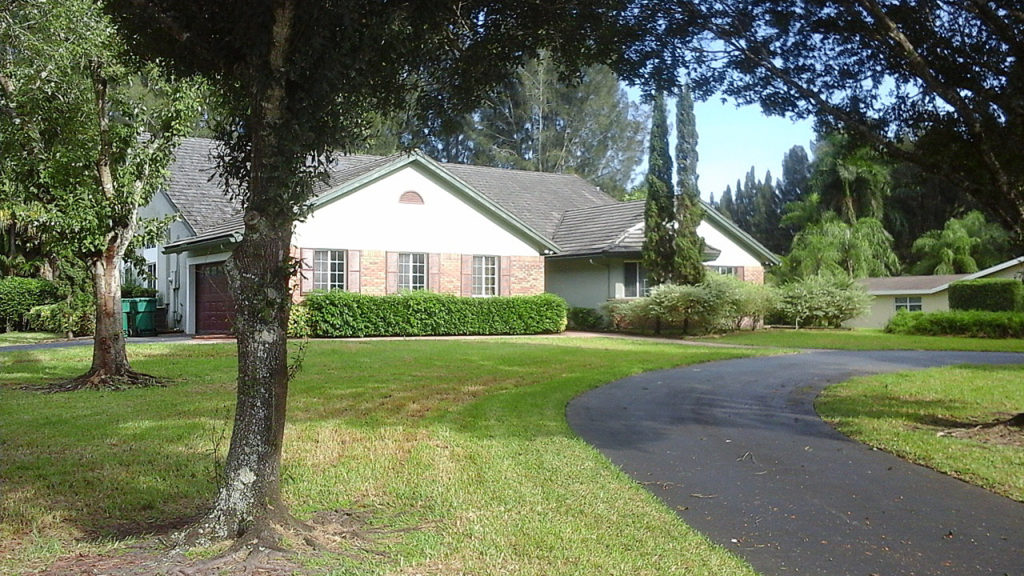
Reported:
(736, 449)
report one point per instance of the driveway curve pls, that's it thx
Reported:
(736, 448)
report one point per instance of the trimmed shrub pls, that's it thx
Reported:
(18, 296)
(77, 317)
(992, 294)
(586, 319)
(821, 301)
(338, 314)
(298, 322)
(973, 323)
(137, 291)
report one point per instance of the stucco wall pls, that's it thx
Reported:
(372, 217)
(732, 254)
(583, 282)
(884, 307)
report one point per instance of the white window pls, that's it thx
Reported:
(724, 270)
(329, 270)
(635, 280)
(485, 275)
(151, 275)
(412, 272)
(908, 303)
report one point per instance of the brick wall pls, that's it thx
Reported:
(527, 275)
(753, 274)
(522, 275)
(451, 275)
(373, 272)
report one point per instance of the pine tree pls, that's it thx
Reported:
(689, 268)
(725, 205)
(659, 249)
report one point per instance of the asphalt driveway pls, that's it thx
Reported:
(737, 450)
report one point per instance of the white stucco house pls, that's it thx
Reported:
(382, 225)
(921, 293)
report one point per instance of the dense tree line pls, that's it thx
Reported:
(858, 210)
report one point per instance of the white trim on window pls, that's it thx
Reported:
(485, 276)
(909, 303)
(412, 272)
(329, 270)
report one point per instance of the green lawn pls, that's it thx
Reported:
(863, 339)
(912, 414)
(14, 338)
(465, 441)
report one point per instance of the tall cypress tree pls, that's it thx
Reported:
(725, 205)
(659, 249)
(689, 268)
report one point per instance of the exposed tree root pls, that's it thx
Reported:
(1005, 431)
(274, 544)
(100, 380)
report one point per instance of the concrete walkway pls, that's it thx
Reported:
(737, 450)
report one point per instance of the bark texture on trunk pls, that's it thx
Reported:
(249, 499)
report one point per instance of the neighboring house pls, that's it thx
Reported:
(921, 293)
(381, 225)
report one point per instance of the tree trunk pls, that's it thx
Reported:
(110, 368)
(249, 500)
(109, 356)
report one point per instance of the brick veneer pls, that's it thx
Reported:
(527, 275)
(524, 274)
(753, 274)
(374, 273)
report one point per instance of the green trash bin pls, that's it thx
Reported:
(145, 317)
(127, 316)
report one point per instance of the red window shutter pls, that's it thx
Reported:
(505, 276)
(352, 261)
(434, 272)
(305, 270)
(467, 274)
(392, 272)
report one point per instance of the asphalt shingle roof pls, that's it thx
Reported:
(193, 186)
(909, 283)
(537, 199)
(604, 228)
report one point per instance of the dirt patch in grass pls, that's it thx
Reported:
(1004, 431)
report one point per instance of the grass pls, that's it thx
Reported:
(15, 338)
(464, 441)
(904, 414)
(865, 339)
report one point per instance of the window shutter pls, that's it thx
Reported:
(434, 272)
(392, 272)
(467, 275)
(352, 264)
(738, 271)
(306, 270)
(505, 276)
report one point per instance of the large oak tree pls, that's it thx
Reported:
(300, 80)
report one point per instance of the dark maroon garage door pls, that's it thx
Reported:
(215, 304)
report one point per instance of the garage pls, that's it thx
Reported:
(215, 303)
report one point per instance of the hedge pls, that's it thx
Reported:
(77, 317)
(992, 294)
(18, 296)
(973, 323)
(338, 314)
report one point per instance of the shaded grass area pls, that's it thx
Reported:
(919, 416)
(15, 338)
(464, 442)
(864, 339)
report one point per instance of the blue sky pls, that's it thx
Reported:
(732, 139)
